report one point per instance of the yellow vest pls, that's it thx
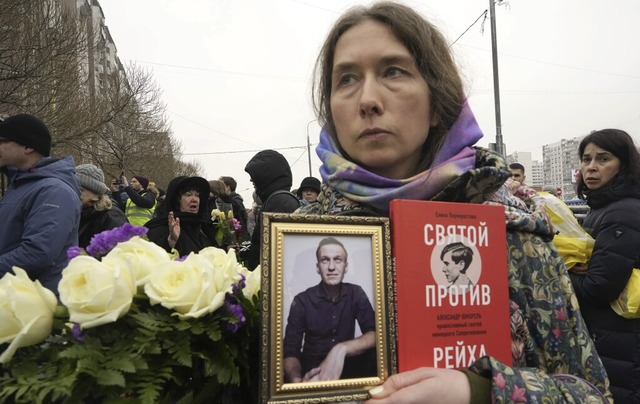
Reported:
(137, 215)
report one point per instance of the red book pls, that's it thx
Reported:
(452, 297)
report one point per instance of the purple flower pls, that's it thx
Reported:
(235, 310)
(104, 242)
(73, 252)
(77, 332)
(237, 287)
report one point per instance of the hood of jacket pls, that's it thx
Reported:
(46, 167)
(269, 171)
(172, 200)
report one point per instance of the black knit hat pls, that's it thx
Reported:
(28, 131)
(309, 182)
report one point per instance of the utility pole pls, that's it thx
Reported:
(499, 146)
(309, 146)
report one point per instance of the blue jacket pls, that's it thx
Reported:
(40, 214)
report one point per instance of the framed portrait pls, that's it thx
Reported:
(328, 328)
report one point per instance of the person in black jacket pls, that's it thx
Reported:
(272, 179)
(610, 182)
(98, 214)
(239, 210)
(182, 219)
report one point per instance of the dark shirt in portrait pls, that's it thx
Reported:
(323, 323)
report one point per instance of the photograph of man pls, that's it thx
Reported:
(319, 341)
(456, 258)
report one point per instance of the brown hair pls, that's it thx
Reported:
(430, 52)
(217, 188)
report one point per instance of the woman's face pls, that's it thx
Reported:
(190, 201)
(86, 196)
(598, 166)
(379, 101)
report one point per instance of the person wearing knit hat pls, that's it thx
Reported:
(141, 203)
(309, 190)
(28, 131)
(144, 182)
(91, 178)
(40, 209)
(98, 213)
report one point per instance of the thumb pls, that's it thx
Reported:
(400, 381)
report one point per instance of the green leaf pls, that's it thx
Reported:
(110, 378)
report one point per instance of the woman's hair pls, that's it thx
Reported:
(217, 188)
(100, 202)
(618, 143)
(430, 52)
(153, 189)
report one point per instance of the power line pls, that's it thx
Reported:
(232, 72)
(484, 14)
(245, 151)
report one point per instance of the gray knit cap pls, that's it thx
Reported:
(91, 178)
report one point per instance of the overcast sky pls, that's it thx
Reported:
(236, 74)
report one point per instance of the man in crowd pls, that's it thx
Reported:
(517, 171)
(272, 179)
(324, 317)
(140, 203)
(41, 209)
(237, 204)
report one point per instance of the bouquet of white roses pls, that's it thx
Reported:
(134, 324)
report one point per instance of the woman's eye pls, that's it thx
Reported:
(394, 72)
(346, 80)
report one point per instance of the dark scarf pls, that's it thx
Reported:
(619, 188)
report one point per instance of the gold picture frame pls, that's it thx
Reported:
(289, 266)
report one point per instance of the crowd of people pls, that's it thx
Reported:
(396, 125)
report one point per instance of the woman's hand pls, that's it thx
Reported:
(424, 385)
(579, 269)
(174, 230)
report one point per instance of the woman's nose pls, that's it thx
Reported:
(370, 102)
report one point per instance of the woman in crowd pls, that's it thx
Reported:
(183, 218)
(396, 124)
(610, 182)
(98, 213)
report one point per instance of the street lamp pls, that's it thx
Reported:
(309, 145)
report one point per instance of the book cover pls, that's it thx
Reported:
(452, 297)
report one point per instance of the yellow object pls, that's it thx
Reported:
(573, 243)
(627, 304)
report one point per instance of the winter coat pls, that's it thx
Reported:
(40, 214)
(139, 207)
(554, 359)
(270, 173)
(614, 223)
(193, 227)
(94, 221)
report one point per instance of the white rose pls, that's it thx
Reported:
(96, 293)
(252, 282)
(190, 287)
(26, 312)
(223, 262)
(142, 255)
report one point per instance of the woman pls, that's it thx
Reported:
(609, 181)
(98, 214)
(397, 125)
(183, 219)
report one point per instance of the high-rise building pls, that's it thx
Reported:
(560, 162)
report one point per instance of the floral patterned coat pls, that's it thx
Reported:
(554, 359)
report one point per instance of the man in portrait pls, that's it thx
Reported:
(456, 258)
(320, 342)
